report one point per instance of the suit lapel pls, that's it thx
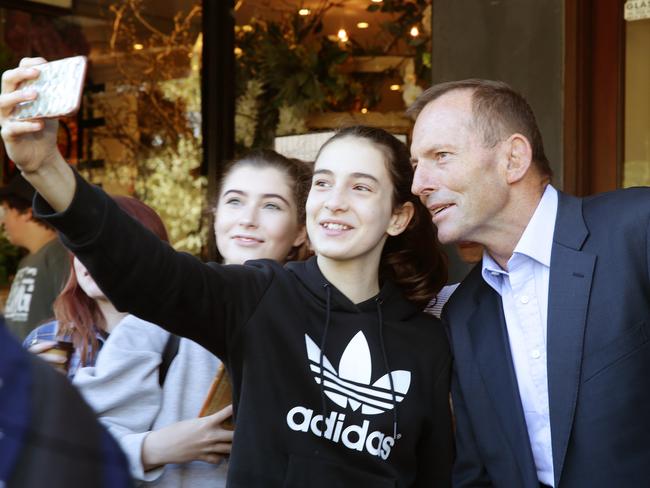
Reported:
(569, 289)
(487, 328)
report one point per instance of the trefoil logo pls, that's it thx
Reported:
(351, 386)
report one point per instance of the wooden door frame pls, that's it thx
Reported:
(594, 96)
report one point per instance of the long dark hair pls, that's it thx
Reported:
(412, 259)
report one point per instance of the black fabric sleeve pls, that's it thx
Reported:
(146, 277)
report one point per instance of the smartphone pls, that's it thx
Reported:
(59, 89)
(219, 396)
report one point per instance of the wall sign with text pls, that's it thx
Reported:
(637, 9)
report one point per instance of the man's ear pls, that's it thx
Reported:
(26, 214)
(519, 155)
(400, 219)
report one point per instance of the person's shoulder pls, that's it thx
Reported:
(56, 254)
(636, 199)
(135, 334)
(624, 210)
(465, 293)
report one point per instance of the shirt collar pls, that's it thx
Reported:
(535, 243)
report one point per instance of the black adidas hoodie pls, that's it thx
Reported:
(274, 327)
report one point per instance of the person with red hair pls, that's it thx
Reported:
(146, 391)
(83, 314)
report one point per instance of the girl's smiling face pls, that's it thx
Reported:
(256, 216)
(349, 208)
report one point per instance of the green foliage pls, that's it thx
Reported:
(409, 14)
(296, 66)
(290, 63)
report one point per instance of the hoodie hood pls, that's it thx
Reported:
(394, 305)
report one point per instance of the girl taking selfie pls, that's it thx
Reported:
(147, 391)
(338, 377)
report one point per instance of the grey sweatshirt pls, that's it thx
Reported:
(123, 388)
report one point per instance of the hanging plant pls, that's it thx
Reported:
(409, 14)
(154, 111)
(293, 65)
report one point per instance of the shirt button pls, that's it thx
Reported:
(535, 354)
(494, 273)
(524, 299)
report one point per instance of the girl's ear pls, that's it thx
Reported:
(301, 249)
(400, 219)
(301, 237)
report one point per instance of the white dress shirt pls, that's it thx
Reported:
(524, 294)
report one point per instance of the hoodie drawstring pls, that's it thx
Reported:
(328, 293)
(380, 318)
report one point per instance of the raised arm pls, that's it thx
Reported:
(138, 272)
(32, 144)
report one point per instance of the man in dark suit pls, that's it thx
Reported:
(551, 331)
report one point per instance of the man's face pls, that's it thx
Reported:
(461, 181)
(13, 222)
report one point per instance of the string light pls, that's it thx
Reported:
(304, 12)
(395, 87)
(414, 31)
(364, 110)
(138, 47)
(342, 35)
(363, 25)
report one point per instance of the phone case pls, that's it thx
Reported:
(59, 88)
(219, 396)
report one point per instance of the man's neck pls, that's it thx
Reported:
(37, 237)
(505, 235)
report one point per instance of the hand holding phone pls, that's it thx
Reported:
(219, 396)
(59, 87)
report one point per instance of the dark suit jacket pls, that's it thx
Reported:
(598, 357)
